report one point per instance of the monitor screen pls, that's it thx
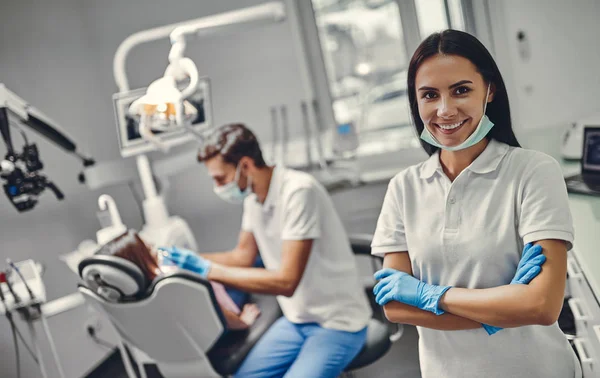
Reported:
(591, 150)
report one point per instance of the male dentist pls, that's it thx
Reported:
(289, 217)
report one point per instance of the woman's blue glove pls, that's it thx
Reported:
(529, 267)
(398, 286)
(188, 260)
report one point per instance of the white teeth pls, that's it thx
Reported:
(450, 127)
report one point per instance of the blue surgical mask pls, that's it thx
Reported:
(483, 128)
(231, 192)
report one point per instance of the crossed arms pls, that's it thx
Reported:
(506, 306)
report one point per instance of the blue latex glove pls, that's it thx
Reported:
(529, 267)
(402, 287)
(188, 260)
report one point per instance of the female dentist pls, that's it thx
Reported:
(453, 227)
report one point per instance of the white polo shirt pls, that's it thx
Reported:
(298, 207)
(470, 234)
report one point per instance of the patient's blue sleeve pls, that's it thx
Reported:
(239, 297)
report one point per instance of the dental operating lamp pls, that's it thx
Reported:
(21, 171)
(175, 108)
(166, 107)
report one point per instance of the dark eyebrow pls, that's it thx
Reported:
(460, 83)
(450, 87)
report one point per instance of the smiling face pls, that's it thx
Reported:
(450, 97)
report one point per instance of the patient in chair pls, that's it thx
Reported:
(130, 247)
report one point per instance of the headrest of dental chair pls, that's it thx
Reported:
(180, 273)
(113, 278)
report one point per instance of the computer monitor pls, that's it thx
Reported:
(130, 141)
(590, 160)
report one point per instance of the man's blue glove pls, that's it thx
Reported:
(188, 260)
(529, 267)
(398, 286)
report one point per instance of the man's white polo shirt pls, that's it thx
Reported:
(298, 207)
(470, 233)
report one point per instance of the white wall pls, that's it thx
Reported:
(560, 82)
(57, 54)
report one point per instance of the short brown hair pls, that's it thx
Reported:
(131, 247)
(232, 142)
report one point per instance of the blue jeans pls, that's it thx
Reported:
(300, 351)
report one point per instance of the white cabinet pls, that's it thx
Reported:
(586, 312)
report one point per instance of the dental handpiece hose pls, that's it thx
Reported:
(2, 298)
(16, 269)
(10, 288)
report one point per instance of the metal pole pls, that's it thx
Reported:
(275, 130)
(126, 360)
(61, 373)
(307, 133)
(142, 369)
(447, 10)
(410, 26)
(320, 152)
(36, 345)
(284, 133)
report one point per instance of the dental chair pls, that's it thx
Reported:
(176, 320)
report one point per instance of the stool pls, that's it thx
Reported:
(361, 246)
(376, 345)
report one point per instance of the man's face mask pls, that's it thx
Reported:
(231, 192)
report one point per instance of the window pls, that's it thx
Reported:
(432, 16)
(363, 43)
(363, 48)
(437, 15)
(456, 13)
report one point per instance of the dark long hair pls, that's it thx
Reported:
(454, 42)
(131, 247)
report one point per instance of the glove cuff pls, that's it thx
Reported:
(432, 302)
(207, 269)
(490, 329)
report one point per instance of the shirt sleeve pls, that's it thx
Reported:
(390, 234)
(301, 215)
(246, 214)
(545, 211)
